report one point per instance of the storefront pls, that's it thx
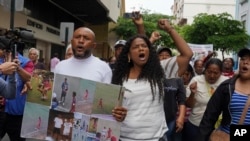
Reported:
(45, 36)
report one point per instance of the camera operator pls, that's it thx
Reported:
(11, 117)
(8, 88)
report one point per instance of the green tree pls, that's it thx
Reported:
(125, 27)
(221, 30)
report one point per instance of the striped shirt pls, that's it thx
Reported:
(236, 106)
(170, 67)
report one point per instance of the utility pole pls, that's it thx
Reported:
(66, 36)
(12, 14)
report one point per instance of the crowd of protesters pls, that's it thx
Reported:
(166, 99)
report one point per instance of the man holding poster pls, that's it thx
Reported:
(83, 64)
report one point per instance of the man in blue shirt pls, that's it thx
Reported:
(11, 117)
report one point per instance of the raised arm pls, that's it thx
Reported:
(138, 21)
(155, 35)
(185, 51)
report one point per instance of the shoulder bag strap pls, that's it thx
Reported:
(244, 112)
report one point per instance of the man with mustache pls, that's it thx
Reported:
(83, 64)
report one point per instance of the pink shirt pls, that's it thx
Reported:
(29, 67)
(53, 62)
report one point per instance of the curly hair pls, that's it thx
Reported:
(151, 71)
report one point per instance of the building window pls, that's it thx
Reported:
(243, 17)
(119, 3)
(244, 23)
(243, 1)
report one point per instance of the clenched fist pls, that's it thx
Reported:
(164, 25)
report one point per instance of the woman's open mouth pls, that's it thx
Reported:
(142, 56)
(243, 69)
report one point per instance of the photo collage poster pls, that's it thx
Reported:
(66, 108)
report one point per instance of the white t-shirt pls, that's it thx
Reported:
(145, 118)
(91, 68)
(67, 126)
(202, 97)
(104, 132)
(58, 122)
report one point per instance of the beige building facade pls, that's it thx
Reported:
(185, 10)
(47, 37)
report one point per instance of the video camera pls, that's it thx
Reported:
(11, 40)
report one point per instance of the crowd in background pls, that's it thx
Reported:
(199, 99)
(166, 97)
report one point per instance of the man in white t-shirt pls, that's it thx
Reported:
(83, 64)
(57, 127)
(66, 130)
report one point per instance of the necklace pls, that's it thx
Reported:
(210, 89)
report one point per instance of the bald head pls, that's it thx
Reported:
(83, 41)
(85, 29)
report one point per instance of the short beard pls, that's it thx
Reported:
(86, 54)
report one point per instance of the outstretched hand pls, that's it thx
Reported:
(119, 113)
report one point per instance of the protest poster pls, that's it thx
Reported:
(61, 107)
(200, 51)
